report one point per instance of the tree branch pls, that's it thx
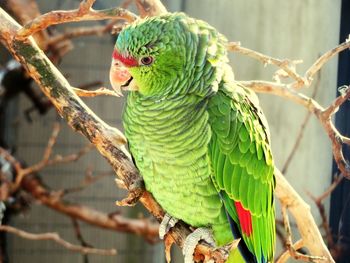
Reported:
(323, 114)
(307, 227)
(324, 59)
(83, 13)
(321, 208)
(46, 161)
(56, 238)
(32, 184)
(93, 93)
(283, 64)
(301, 131)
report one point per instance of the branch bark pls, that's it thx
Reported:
(311, 236)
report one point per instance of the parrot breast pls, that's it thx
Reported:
(168, 140)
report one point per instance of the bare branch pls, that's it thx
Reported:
(47, 153)
(334, 107)
(331, 188)
(93, 93)
(88, 31)
(323, 60)
(323, 115)
(141, 227)
(46, 161)
(150, 7)
(286, 254)
(291, 249)
(88, 180)
(33, 185)
(58, 159)
(300, 81)
(283, 64)
(83, 13)
(82, 31)
(78, 233)
(56, 238)
(301, 212)
(321, 208)
(301, 132)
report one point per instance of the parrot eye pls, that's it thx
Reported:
(146, 60)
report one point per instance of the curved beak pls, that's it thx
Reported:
(120, 77)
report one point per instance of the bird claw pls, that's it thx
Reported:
(167, 223)
(192, 241)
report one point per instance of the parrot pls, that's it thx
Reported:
(198, 137)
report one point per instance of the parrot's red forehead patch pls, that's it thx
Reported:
(127, 61)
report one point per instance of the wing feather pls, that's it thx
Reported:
(243, 166)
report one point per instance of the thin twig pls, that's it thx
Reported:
(288, 91)
(301, 131)
(88, 31)
(47, 153)
(58, 159)
(323, 115)
(307, 227)
(331, 188)
(286, 254)
(88, 180)
(283, 64)
(319, 63)
(319, 203)
(93, 93)
(83, 13)
(82, 31)
(333, 108)
(78, 233)
(46, 161)
(33, 185)
(289, 243)
(56, 238)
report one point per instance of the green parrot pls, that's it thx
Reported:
(198, 137)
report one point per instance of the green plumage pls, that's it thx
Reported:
(195, 133)
(240, 151)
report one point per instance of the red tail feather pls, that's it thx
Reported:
(245, 219)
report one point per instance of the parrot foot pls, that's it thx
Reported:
(167, 223)
(192, 241)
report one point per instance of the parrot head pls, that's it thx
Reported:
(156, 56)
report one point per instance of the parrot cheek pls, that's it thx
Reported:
(119, 77)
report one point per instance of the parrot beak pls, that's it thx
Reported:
(120, 78)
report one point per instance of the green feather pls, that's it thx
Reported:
(227, 174)
(194, 132)
(235, 182)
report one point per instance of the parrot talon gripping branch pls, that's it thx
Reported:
(228, 130)
(192, 241)
(167, 223)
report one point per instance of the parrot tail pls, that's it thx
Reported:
(242, 254)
